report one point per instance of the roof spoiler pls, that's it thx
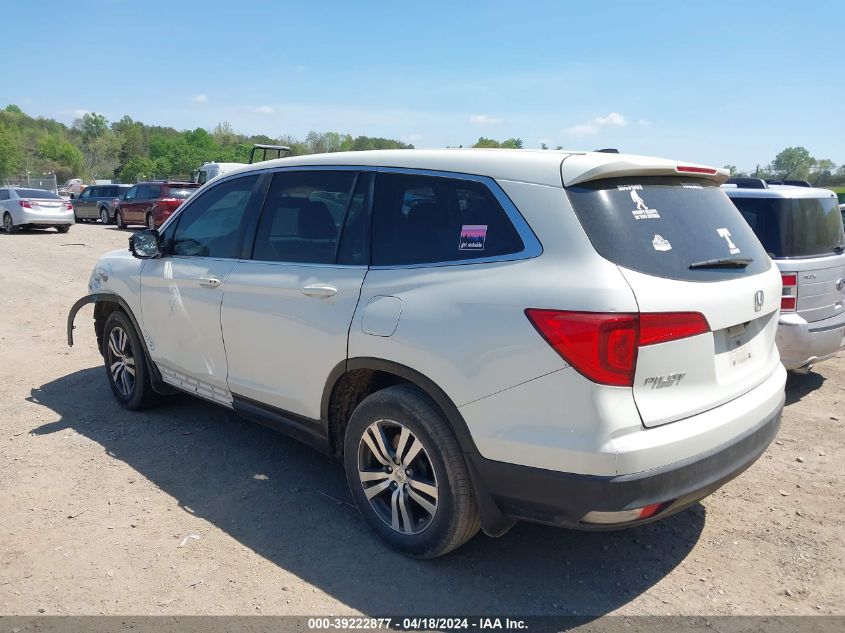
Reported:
(748, 183)
(279, 149)
(579, 168)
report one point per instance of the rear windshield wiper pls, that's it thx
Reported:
(722, 262)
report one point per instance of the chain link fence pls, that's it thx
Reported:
(48, 183)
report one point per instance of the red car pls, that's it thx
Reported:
(151, 203)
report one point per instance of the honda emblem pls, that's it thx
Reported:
(758, 300)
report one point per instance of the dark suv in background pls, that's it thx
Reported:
(151, 203)
(98, 202)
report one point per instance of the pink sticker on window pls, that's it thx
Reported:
(472, 237)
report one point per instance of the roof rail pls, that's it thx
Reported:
(748, 183)
(268, 148)
(607, 150)
(792, 183)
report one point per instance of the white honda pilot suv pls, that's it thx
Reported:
(483, 336)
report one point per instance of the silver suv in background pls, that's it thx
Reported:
(801, 228)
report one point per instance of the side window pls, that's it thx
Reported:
(132, 193)
(148, 192)
(429, 219)
(212, 225)
(353, 249)
(303, 215)
(4, 194)
(86, 194)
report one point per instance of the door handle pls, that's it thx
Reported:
(208, 282)
(320, 291)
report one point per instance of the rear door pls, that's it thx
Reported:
(683, 247)
(286, 311)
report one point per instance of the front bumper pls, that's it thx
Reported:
(801, 343)
(564, 499)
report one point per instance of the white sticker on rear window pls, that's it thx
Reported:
(661, 244)
(629, 187)
(689, 186)
(642, 212)
(733, 248)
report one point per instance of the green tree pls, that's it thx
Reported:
(92, 125)
(792, 162)
(824, 170)
(487, 143)
(61, 156)
(512, 143)
(13, 109)
(137, 168)
(10, 152)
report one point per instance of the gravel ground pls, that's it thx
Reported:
(186, 509)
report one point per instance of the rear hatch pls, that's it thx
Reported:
(683, 248)
(805, 236)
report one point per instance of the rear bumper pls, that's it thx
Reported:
(801, 343)
(48, 219)
(673, 465)
(564, 499)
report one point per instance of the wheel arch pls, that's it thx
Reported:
(378, 373)
(104, 304)
(336, 407)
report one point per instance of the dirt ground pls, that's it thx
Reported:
(186, 509)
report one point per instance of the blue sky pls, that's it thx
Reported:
(714, 82)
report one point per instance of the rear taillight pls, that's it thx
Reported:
(603, 346)
(68, 206)
(26, 204)
(789, 296)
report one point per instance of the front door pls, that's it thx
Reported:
(286, 311)
(181, 292)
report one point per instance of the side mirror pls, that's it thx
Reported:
(72, 196)
(145, 244)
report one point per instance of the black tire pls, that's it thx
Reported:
(121, 344)
(63, 228)
(439, 466)
(150, 221)
(8, 224)
(104, 216)
(118, 220)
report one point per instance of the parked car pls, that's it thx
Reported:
(483, 336)
(151, 203)
(72, 188)
(802, 231)
(36, 208)
(98, 202)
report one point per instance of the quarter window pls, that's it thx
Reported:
(303, 215)
(428, 219)
(212, 225)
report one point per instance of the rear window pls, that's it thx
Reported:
(428, 219)
(663, 225)
(803, 227)
(41, 194)
(180, 192)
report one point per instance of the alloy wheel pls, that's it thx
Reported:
(104, 216)
(121, 361)
(397, 476)
(7, 223)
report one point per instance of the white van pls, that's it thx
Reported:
(212, 170)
